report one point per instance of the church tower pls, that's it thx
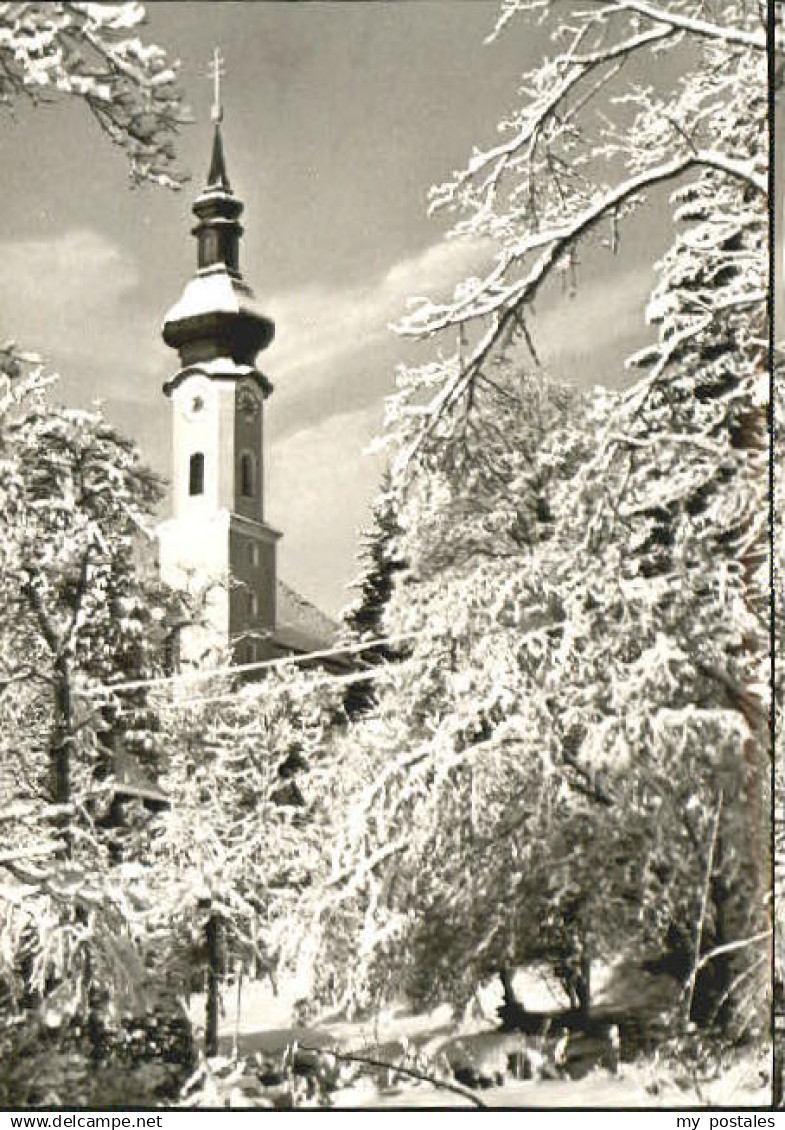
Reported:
(217, 533)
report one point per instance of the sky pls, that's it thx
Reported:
(337, 119)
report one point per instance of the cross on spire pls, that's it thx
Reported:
(216, 69)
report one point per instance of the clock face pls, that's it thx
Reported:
(247, 403)
(194, 399)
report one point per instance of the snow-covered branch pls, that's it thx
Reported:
(504, 302)
(89, 52)
(724, 33)
(633, 578)
(557, 240)
(576, 68)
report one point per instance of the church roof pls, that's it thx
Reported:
(217, 175)
(209, 296)
(300, 625)
(220, 368)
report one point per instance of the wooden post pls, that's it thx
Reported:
(212, 934)
(707, 884)
(583, 967)
(239, 972)
(60, 746)
(583, 981)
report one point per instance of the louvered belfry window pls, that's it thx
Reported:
(196, 474)
(247, 475)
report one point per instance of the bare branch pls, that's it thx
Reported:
(398, 1069)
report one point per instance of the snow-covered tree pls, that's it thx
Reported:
(77, 605)
(93, 52)
(77, 610)
(248, 775)
(455, 769)
(625, 713)
(589, 144)
(364, 619)
(77, 613)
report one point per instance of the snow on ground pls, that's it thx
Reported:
(262, 1009)
(592, 1093)
(264, 1024)
(635, 1086)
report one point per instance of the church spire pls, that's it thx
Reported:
(217, 176)
(217, 315)
(217, 209)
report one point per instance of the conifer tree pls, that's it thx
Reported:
(77, 615)
(365, 619)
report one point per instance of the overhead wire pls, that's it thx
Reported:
(199, 675)
(249, 695)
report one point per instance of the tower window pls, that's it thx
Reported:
(253, 553)
(196, 474)
(247, 476)
(253, 605)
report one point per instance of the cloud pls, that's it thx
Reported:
(335, 353)
(318, 325)
(319, 486)
(586, 337)
(74, 298)
(598, 315)
(53, 284)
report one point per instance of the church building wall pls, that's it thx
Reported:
(252, 605)
(248, 439)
